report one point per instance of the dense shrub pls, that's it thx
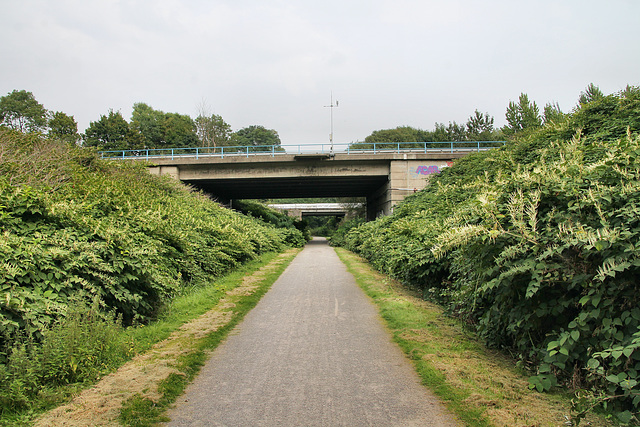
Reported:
(73, 226)
(337, 238)
(81, 346)
(278, 219)
(537, 246)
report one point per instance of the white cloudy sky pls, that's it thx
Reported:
(276, 62)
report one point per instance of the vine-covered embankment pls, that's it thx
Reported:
(76, 231)
(537, 246)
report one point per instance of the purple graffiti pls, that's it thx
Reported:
(427, 170)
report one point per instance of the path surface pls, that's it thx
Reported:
(313, 352)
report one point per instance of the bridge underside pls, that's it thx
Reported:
(299, 187)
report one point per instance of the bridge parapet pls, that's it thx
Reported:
(357, 148)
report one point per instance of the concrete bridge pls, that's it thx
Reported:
(383, 175)
(300, 210)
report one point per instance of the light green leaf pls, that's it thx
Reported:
(625, 416)
(613, 378)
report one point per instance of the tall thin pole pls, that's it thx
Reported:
(331, 107)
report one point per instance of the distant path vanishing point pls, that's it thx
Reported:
(313, 352)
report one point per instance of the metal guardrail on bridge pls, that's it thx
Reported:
(276, 150)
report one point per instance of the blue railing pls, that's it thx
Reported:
(275, 150)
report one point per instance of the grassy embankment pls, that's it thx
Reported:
(88, 247)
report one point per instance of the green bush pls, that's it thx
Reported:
(296, 235)
(338, 236)
(535, 245)
(81, 346)
(74, 226)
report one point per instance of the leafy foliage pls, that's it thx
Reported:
(338, 236)
(295, 230)
(522, 115)
(159, 129)
(535, 245)
(149, 128)
(212, 130)
(82, 346)
(591, 93)
(111, 132)
(479, 127)
(399, 134)
(19, 110)
(256, 136)
(74, 227)
(63, 127)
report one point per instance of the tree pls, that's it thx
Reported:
(148, 122)
(111, 133)
(521, 116)
(63, 127)
(212, 130)
(610, 116)
(480, 127)
(159, 129)
(255, 136)
(552, 113)
(399, 134)
(591, 93)
(19, 110)
(179, 130)
(452, 132)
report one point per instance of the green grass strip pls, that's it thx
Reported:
(480, 386)
(400, 316)
(193, 303)
(141, 411)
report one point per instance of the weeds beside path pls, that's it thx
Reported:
(480, 386)
(138, 392)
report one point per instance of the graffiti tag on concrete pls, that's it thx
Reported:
(428, 170)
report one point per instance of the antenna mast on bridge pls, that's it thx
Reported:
(331, 107)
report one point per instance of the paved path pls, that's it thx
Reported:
(313, 352)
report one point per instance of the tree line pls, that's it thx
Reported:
(151, 128)
(147, 128)
(522, 116)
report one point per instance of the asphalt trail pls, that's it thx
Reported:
(313, 352)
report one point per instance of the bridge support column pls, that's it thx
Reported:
(172, 171)
(378, 203)
(405, 178)
(295, 213)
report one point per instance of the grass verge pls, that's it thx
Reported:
(194, 302)
(482, 387)
(142, 411)
(172, 350)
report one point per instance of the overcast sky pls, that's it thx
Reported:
(276, 62)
